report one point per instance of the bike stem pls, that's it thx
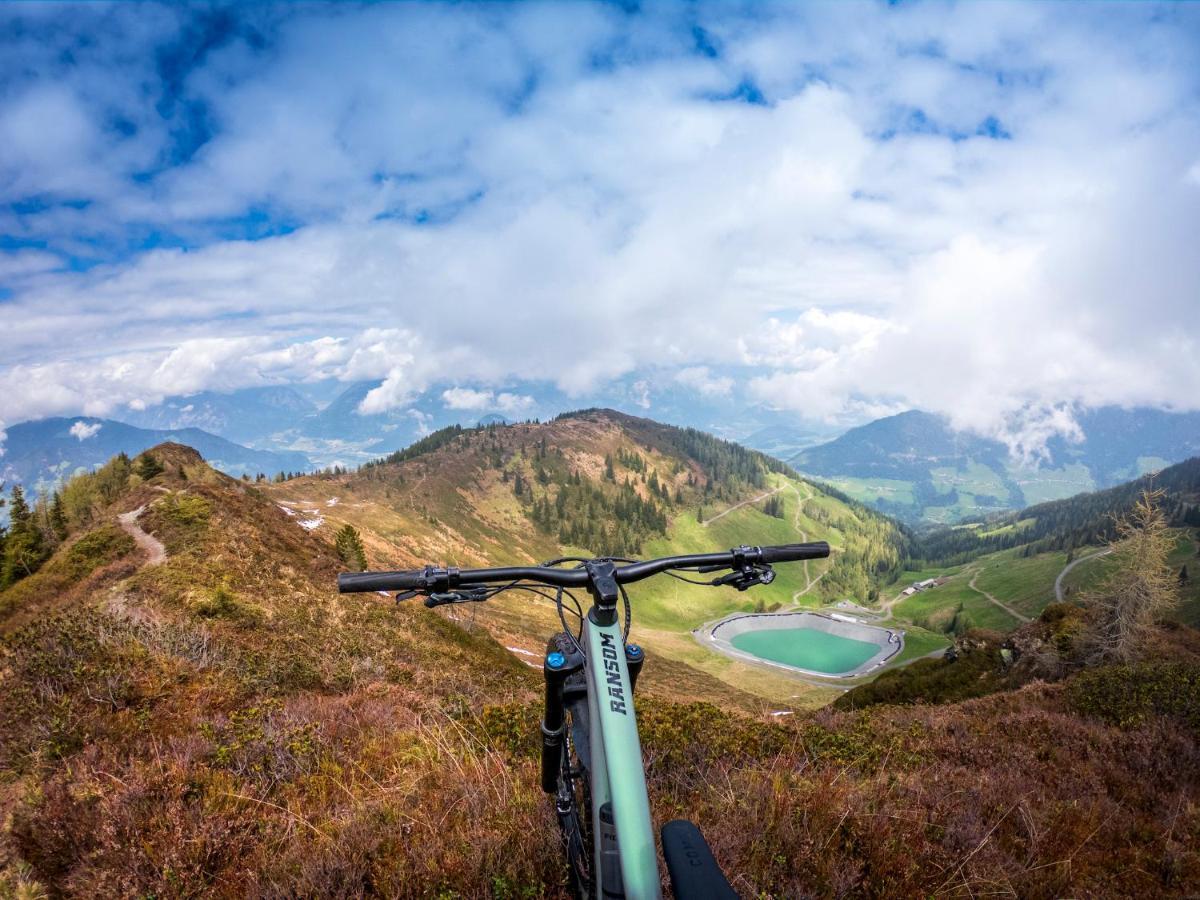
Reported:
(602, 585)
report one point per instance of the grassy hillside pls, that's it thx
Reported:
(527, 493)
(1185, 560)
(222, 724)
(1003, 570)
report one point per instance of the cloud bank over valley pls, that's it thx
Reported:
(988, 211)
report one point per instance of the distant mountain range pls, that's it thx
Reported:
(40, 454)
(246, 416)
(786, 441)
(323, 424)
(322, 420)
(912, 465)
(915, 466)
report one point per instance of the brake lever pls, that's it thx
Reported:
(469, 595)
(406, 595)
(746, 578)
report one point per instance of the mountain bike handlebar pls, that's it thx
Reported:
(435, 579)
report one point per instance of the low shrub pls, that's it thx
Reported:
(65, 674)
(180, 521)
(187, 509)
(1129, 695)
(263, 744)
(95, 549)
(692, 735)
(223, 603)
(513, 728)
(973, 674)
(1067, 623)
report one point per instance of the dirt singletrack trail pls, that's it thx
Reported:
(810, 582)
(726, 512)
(1000, 603)
(156, 553)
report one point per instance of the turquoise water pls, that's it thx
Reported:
(806, 648)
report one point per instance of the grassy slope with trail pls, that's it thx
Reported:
(1026, 585)
(1016, 558)
(456, 504)
(1089, 573)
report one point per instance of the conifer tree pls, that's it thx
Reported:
(350, 548)
(147, 467)
(24, 547)
(58, 517)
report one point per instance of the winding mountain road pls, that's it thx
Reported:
(1058, 582)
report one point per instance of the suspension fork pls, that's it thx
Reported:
(557, 668)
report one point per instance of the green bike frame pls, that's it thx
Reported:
(617, 774)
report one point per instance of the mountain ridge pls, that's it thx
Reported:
(1077, 521)
(41, 453)
(246, 416)
(603, 482)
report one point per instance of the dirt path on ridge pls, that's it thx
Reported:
(156, 553)
(810, 582)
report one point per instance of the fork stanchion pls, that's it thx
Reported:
(635, 656)
(556, 671)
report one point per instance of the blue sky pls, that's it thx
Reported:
(837, 210)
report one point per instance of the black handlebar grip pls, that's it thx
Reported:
(363, 582)
(795, 552)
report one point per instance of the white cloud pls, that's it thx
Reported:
(22, 263)
(423, 422)
(641, 393)
(983, 210)
(470, 399)
(84, 430)
(466, 398)
(514, 403)
(698, 378)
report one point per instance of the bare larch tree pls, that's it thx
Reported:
(1140, 589)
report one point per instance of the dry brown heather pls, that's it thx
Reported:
(225, 725)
